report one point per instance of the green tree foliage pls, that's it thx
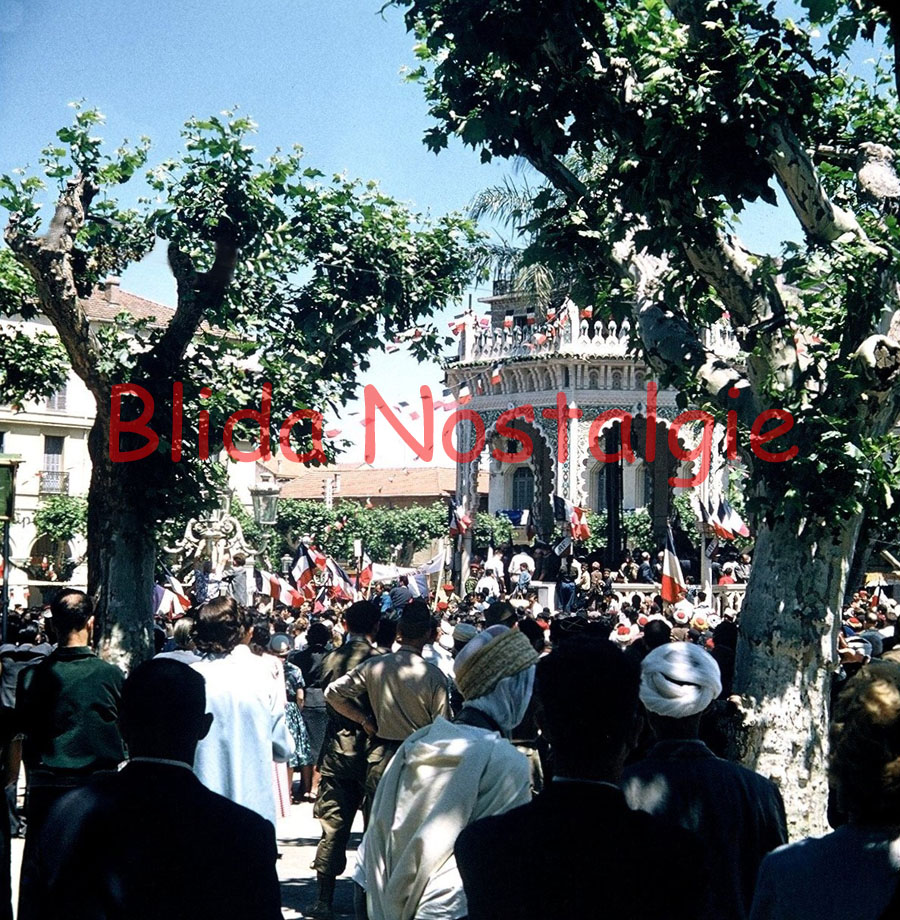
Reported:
(382, 530)
(61, 517)
(629, 111)
(284, 275)
(33, 364)
(636, 523)
(654, 124)
(490, 531)
(638, 527)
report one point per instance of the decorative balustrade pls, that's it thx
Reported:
(726, 599)
(578, 337)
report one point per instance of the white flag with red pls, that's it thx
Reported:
(673, 583)
(458, 522)
(732, 520)
(175, 587)
(280, 590)
(719, 520)
(365, 571)
(580, 528)
(303, 567)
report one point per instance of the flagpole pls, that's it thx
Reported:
(440, 580)
(465, 547)
(705, 568)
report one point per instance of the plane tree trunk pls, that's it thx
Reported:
(787, 658)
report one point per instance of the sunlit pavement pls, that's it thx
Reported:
(297, 839)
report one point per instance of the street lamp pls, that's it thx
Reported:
(264, 495)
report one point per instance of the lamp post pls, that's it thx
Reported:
(264, 495)
(8, 467)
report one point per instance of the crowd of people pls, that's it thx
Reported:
(475, 737)
(583, 584)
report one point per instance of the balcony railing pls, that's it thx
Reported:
(53, 482)
(573, 335)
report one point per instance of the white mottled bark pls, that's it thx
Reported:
(786, 659)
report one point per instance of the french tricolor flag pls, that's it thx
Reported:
(341, 586)
(302, 567)
(365, 571)
(673, 583)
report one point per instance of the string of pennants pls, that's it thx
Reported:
(448, 401)
(481, 381)
(556, 319)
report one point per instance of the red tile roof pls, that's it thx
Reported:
(106, 303)
(359, 481)
(108, 300)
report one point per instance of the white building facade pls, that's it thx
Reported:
(525, 355)
(51, 437)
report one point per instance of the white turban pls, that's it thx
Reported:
(679, 680)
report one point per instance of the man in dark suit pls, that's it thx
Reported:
(151, 841)
(594, 853)
(67, 724)
(738, 814)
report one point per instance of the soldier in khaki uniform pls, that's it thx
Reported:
(348, 756)
(388, 697)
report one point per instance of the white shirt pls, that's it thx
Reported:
(488, 583)
(515, 564)
(443, 777)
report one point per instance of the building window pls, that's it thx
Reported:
(2, 440)
(616, 380)
(600, 503)
(57, 402)
(647, 498)
(523, 489)
(53, 479)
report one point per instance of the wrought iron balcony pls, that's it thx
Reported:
(53, 482)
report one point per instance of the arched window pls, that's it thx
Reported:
(616, 380)
(600, 502)
(50, 560)
(523, 489)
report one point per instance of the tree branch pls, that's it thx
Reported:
(821, 218)
(878, 359)
(198, 293)
(48, 260)
(670, 341)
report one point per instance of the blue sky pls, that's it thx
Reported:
(321, 73)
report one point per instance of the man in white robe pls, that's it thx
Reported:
(444, 777)
(249, 730)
